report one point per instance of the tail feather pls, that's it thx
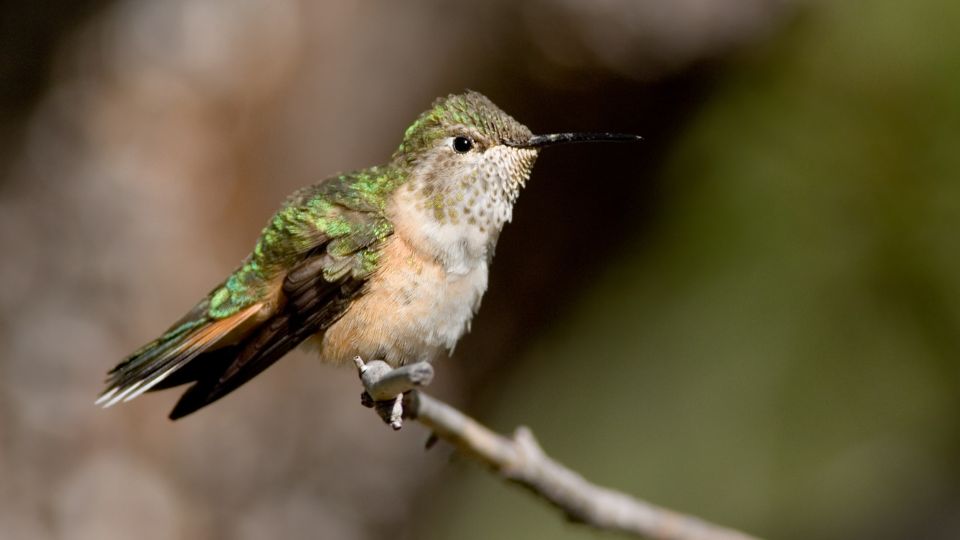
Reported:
(127, 374)
(160, 359)
(142, 357)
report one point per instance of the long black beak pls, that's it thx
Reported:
(539, 141)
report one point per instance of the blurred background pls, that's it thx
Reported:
(753, 316)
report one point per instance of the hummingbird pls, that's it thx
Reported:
(386, 263)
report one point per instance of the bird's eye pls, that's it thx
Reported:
(462, 144)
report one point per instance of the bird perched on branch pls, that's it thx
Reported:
(383, 263)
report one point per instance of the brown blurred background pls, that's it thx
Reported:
(753, 316)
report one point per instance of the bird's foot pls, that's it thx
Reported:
(384, 386)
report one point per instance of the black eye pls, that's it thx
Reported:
(462, 144)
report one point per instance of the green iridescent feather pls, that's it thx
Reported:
(343, 216)
(471, 109)
(345, 212)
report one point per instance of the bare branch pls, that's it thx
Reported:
(521, 460)
(384, 386)
(382, 382)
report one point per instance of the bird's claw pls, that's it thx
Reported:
(391, 411)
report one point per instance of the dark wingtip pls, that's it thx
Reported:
(190, 402)
(202, 393)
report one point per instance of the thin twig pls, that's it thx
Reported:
(521, 460)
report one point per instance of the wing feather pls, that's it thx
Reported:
(312, 303)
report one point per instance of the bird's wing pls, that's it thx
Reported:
(312, 303)
(310, 260)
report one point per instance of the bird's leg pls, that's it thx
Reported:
(384, 386)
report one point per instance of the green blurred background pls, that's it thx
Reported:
(754, 316)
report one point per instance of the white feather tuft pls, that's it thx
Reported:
(106, 396)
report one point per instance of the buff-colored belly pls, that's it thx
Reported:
(412, 310)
